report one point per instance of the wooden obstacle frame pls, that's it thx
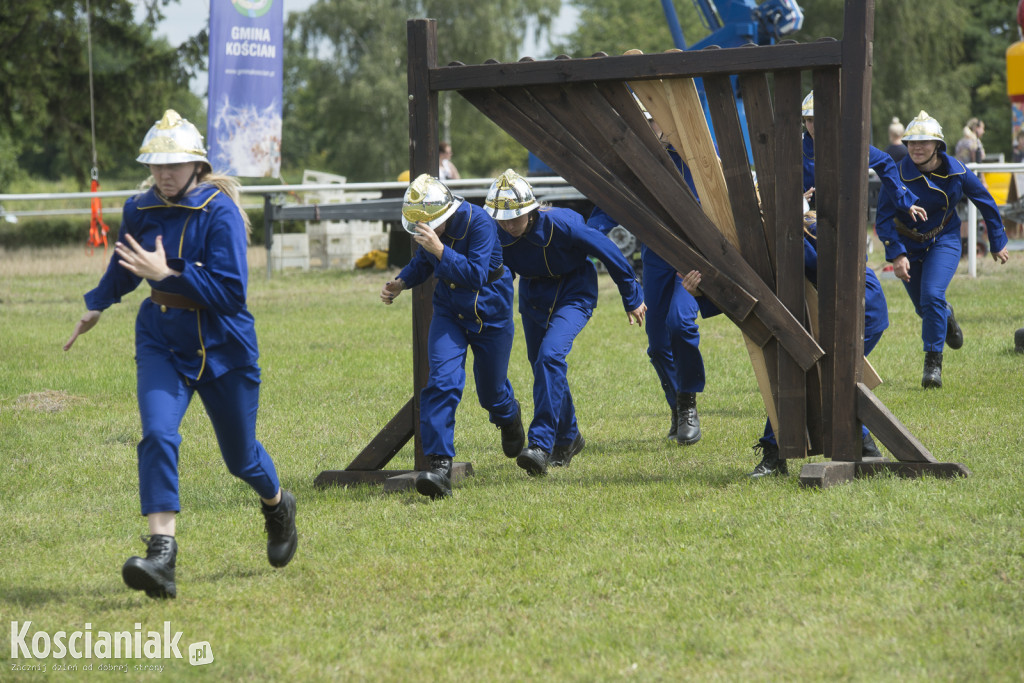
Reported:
(580, 117)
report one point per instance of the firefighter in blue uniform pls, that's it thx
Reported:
(878, 161)
(550, 249)
(673, 337)
(925, 255)
(472, 309)
(187, 236)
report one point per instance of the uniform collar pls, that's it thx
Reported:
(197, 198)
(910, 172)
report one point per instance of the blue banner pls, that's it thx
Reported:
(244, 110)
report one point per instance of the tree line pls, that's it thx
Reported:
(345, 90)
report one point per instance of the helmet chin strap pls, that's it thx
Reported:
(184, 188)
(927, 161)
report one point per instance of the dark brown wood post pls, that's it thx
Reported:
(423, 140)
(854, 117)
(791, 432)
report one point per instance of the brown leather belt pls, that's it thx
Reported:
(174, 300)
(922, 237)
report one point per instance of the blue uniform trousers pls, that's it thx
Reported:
(447, 345)
(554, 416)
(231, 401)
(929, 279)
(673, 338)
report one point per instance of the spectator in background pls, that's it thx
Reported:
(969, 149)
(447, 168)
(1018, 147)
(896, 149)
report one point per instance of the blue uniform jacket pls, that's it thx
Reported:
(205, 240)
(880, 162)
(938, 193)
(552, 262)
(471, 255)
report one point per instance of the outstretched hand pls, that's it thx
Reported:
(637, 315)
(86, 323)
(151, 265)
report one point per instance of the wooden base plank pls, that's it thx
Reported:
(392, 480)
(825, 474)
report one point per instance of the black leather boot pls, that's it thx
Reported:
(1018, 340)
(561, 455)
(513, 438)
(954, 335)
(673, 429)
(534, 460)
(870, 450)
(771, 464)
(282, 536)
(436, 482)
(688, 423)
(932, 377)
(155, 572)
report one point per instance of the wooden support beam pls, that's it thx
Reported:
(825, 474)
(887, 429)
(756, 59)
(791, 431)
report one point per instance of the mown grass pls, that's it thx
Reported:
(641, 561)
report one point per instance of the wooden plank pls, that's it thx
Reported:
(913, 470)
(536, 129)
(854, 119)
(388, 442)
(701, 232)
(823, 475)
(423, 149)
(826, 474)
(737, 177)
(826, 172)
(757, 103)
(756, 59)
(791, 434)
(887, 429)
(352, 477)
(404, 481)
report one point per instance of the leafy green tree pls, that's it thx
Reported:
(45, 128)
(949, 61)
(346, 92)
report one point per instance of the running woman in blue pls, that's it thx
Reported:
(187, 236)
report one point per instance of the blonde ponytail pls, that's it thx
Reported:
(229, 186)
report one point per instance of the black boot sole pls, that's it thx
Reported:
(432, 485)
(532, 466)
(139, 577)
(688, 441)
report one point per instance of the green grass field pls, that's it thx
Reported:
(642, 561)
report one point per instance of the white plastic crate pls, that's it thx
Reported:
(290, 251)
